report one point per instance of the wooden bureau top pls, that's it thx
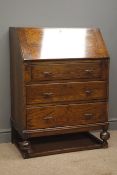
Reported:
(60, 43)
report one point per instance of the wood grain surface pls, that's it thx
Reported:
(80, 70)
(66, 115)
(71, 91)
(59, 85)
(61, 43)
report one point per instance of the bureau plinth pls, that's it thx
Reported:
(59, 90)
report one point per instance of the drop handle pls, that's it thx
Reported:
(47, 94)
(48, 118)
(88, 91)
(88, 116)
(88, 70)
(47, 74)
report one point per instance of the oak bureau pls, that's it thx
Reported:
(59, 89)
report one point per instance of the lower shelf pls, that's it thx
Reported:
(59, 144)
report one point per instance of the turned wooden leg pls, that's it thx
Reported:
(25, 147)
(105, 135)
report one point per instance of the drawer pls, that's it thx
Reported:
(72, 91)
(72, 70)
(66, 115)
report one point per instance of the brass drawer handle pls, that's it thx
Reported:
(48, 118)
(47, 74)
(88, 71)
(47, 94)
(88, 116)
(88, 91)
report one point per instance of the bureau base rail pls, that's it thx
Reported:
(48, 145)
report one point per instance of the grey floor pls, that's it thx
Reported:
(93, 162)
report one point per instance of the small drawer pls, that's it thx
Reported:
(72, 91)
(66, 115)
(67, 70)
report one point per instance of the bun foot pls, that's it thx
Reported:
(25, 146)
(105, 135)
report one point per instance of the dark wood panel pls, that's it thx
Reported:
(18, 97)
(71, 91)
(59, 144)
(65, 115)
(72, 70)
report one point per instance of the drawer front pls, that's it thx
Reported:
(77, 70)
(66, 115)
(72, 91)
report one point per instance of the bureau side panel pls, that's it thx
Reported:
(17, 83)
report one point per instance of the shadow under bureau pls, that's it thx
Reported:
(59, 90)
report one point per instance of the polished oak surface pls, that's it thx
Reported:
(79, 70)
(59, 85)
(64, 43)
(66, 115)
(71, 91)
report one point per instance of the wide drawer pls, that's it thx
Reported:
(66, 115)
(68, 70)
(72, 91)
